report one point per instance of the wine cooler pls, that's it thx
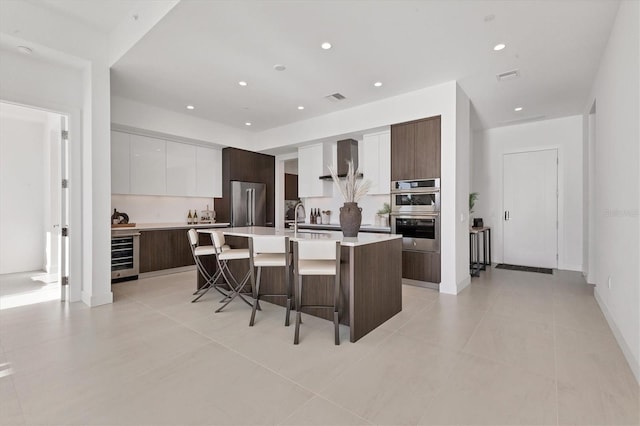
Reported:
(125, 247)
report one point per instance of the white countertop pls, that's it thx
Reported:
(336, 226)
(170, 225)
(362, 238)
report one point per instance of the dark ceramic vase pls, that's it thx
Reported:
(350, 219)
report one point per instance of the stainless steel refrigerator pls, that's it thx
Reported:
(248, 204)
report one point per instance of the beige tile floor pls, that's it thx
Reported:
(514, 348)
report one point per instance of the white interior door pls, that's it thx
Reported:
(530, 216)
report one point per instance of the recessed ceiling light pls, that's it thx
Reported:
(377, 83)
(279, 67)
(247, 124)
(300, 107)
(499, 46)
(326, 45)
(242, 83)
(517, 109)
(26, 50)
(190, 107)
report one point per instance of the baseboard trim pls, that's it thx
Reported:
(97, 300)
(576, 268)
(167, 271)
(464, 283)
(425, 284)
(633, 364)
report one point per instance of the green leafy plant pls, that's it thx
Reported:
(386, 209)
(472, 200)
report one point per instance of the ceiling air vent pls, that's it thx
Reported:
(509, 75)
(335, 97)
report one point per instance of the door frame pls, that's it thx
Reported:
(560, 264)
(74, 164)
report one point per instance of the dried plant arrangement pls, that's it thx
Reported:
(352, 187)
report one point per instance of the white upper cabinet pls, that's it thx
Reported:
(376, 161)
(181, 169)
(120, 156)
(312, 161)
(143, 165)
(148, 166)
(208, 172)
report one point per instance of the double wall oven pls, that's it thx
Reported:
(415, 213)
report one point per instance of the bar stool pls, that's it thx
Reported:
(198, 252)
(269, 251)
(223, 255)
(317, 258)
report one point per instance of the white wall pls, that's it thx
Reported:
(462, 176)
(369, 204)
(616, 217)
(489, 146)
(126, 113)
(31, 80)
(61, 39)
(157, 209)
(22, 189)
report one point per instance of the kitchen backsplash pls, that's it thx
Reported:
(370, 205)
(158, 209)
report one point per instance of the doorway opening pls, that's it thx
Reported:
(33, 205)
(286, 187)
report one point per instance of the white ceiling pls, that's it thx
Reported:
(104, 15)
(201, 49)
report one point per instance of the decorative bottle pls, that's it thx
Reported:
(189, 218)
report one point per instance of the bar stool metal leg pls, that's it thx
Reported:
(287, 282)
(256, 294)
(296, 337)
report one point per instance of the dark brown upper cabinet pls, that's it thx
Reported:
(290, 186)
(246, 166)
(415, 149)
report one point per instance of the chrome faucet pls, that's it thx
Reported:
(295, 216)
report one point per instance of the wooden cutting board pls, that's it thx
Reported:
(123, 225)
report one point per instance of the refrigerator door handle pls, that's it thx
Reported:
(248, 206)
(252, 205)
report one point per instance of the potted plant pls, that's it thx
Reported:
(473, 196)
(383, 215)
(352, 189)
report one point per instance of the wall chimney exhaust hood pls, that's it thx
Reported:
(347, 151)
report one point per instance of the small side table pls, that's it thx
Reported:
(474, 249)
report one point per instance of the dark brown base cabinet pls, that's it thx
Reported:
(166, 249)
(421, 266)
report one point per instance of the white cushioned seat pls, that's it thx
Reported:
(231, 254)
(269, 251)
(204, 250)
(270, 259)
(314, 257)
(316, 267)
(211, 278)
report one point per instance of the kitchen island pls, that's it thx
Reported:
(370, 276)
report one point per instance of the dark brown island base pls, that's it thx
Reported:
(370, 276)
